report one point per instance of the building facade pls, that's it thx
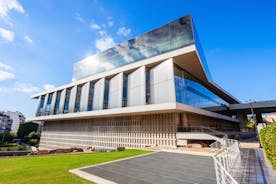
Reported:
(136, 94)
(5, 123)
(17, 119)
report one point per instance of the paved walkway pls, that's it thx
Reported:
(250, 168)
(160, 167)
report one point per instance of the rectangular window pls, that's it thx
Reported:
(106, 93)
(56, 108)
(41, 105)
(48, 105)
(125, 84)
(78, 98)
(66, 102)
(90, 97)
(147, 86)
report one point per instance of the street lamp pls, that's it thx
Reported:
(251, 102)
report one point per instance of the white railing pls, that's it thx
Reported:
(226, 155)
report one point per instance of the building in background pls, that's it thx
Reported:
(17, 119)
(5, 123)
(140, 93)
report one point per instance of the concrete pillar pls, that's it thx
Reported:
(136, 88)
(162, 87)
(115, 91)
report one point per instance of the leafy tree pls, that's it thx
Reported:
(26, 128)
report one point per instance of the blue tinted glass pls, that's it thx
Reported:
(169, 37)
(191, 92)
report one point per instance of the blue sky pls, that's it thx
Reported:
(40, 40)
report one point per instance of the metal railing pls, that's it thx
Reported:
(226, 155)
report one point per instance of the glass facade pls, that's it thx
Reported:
(66, 102)
(41, 104)
(48, 105)
(147, 86)
(78, 98)
(56, 108)
(166, 38)
(106, 93)
(125, 83)
(90, 96)
(191, 91)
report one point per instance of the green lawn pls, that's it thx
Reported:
(53, 169)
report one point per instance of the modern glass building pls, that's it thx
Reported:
(138, 93)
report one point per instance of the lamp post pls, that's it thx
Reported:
(251, 102)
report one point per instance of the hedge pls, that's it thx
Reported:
(268, 139)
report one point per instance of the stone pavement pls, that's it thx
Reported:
(159, 167)
(250, 168)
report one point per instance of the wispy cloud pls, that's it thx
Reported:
(123, 31)
(25, 88)
(5, 66)
(104, 43)
(95, 26)
(79, 18)
(6, 34)
(28, 39)
(4, 75)
(6, 6)
(48, 86)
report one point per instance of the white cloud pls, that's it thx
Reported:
(91, 65)
(102, 33)
(110, 23)
(6, 34)
(25, 88)
(5, 66)
(79, 18)
(123, 31)
(95, 26)
(28, 39)
(6, 6)
(48, 86)
(104, 43)
(4, 75)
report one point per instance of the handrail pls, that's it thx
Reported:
(225, 157)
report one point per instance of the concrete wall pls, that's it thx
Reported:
(132, 131)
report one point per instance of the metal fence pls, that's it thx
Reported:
(226, 155)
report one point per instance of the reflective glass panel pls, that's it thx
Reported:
(192, 92)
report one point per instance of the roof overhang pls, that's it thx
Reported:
(130, 111)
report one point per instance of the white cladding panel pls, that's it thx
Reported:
(98, 96)
(162, 88)
(84, 97)
(136, 91)
(53, 103)
(62, 101)
(115, 91)
(72, 99)
(37, 108)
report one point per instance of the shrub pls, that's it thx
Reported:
(7, 137)
(21, 148)
(9, 145)
(33, 142)
(250, 125)
(268, 139)
(121, 149)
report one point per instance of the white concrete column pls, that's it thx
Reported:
(136, 88)
(115, 91)
(72, 99)
(84, 96)
(54, 97)
(62, 101)
(162, 88)
(98, 96)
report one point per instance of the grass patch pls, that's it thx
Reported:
(268, 139)
(54, 169)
